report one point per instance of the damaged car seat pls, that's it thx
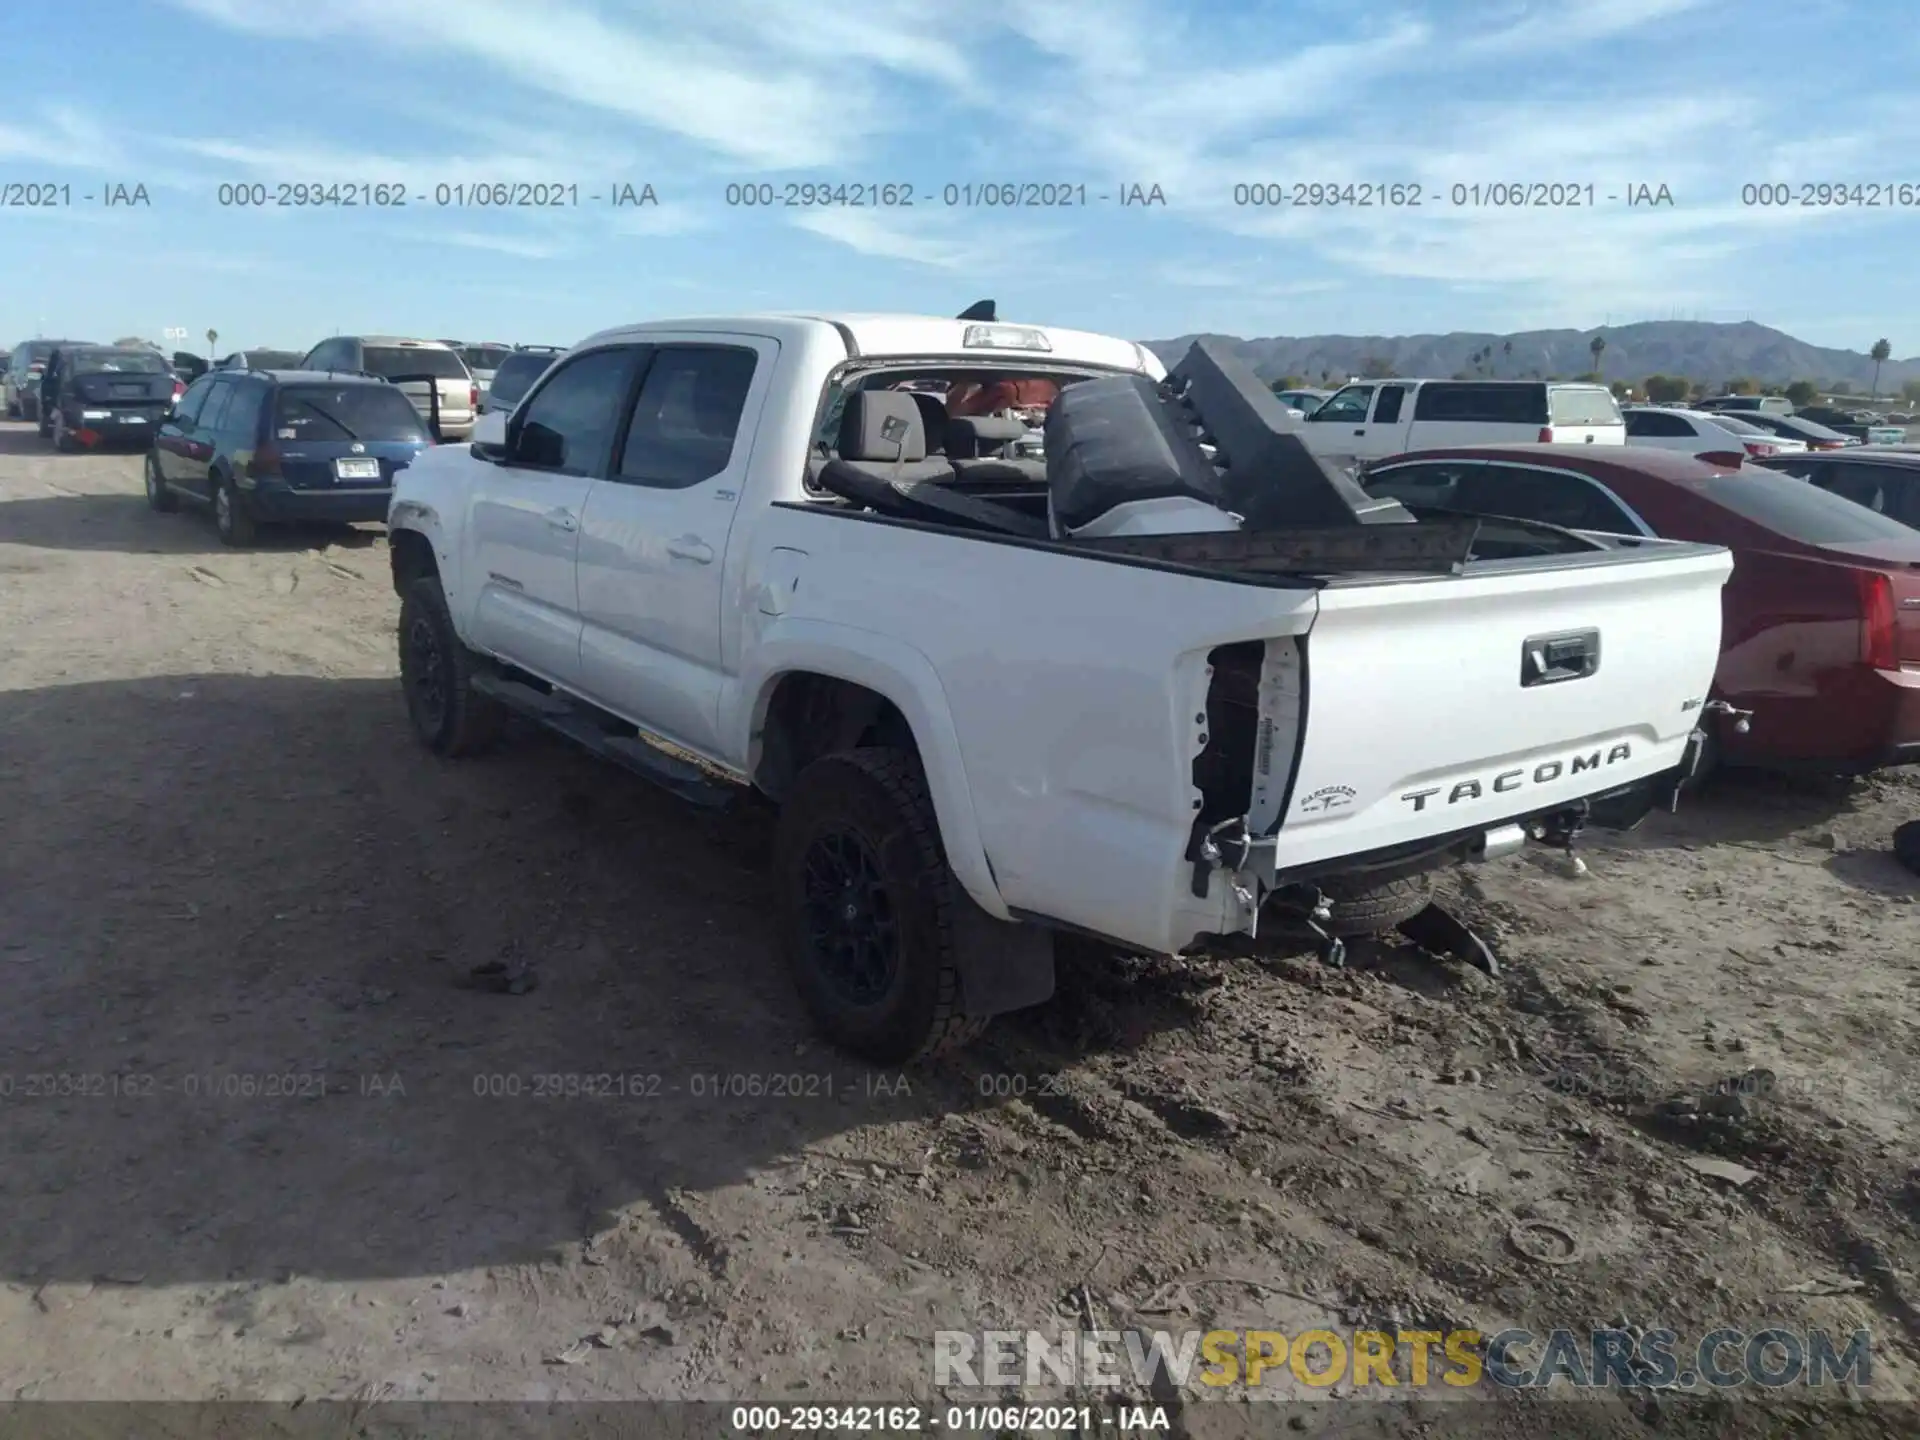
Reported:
(883, 465)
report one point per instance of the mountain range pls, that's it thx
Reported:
(1696, 349)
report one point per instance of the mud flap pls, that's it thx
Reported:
(1004, 965)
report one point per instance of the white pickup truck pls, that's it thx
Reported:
(1172, 677)
(1371, 421)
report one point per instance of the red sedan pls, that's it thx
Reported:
(1820, 635)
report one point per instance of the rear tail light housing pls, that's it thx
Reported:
(1758, 448)
(473, 395)
(179, 387)
(1546, 434)
(1879, 626)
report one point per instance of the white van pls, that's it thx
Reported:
(1385, 417)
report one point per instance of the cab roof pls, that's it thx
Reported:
(882, 335)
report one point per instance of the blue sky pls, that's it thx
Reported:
(1700, 95)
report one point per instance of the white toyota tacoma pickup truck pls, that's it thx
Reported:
(1172, 678)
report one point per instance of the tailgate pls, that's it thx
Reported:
(1438, 705)
(1587, 434)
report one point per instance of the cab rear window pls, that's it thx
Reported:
(1587, 405)
(396, 360)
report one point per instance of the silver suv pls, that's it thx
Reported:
(409, 364)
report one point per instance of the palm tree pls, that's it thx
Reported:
(1507, 350)
(1595, 346)
(1881, 350)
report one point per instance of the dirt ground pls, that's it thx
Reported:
(259, 1140)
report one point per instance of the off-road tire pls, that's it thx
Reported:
(463, 721)
(158, 495)
(1363, 906)
(232, 521)
(879, 796)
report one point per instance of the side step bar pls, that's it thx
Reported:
(579, 725)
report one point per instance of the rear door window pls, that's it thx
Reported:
(1798, 510)
(243, 411)
(338, 413)
(1432, 485)
(187, 412)
(211, 418)
(688, 415)
(1858, 483)
(1571, 501)
(1483, 404)
(1657, 424)
(1386, 409)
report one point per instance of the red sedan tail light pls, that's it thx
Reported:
(1758, 448)
(473, 396)
(1879, 627)
(179, 387)
(1546, 434)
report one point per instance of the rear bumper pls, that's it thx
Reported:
(345, 506)
(116, 431)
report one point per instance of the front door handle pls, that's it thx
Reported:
(1360, 431)
(691, 547)
(562, 519)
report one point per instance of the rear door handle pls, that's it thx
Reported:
(691, 547)
(562, 519)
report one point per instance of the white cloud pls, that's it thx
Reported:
(669, 217)
(1562, 24)
(64, 136)
(498, 244)
(873, 234)
(749, 83)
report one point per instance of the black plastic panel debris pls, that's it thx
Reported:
(1269, 477)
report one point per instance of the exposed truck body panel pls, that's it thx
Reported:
(1076, 690)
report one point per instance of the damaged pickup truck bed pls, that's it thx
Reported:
(1172, 678)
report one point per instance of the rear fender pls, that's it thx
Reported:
(905, 677)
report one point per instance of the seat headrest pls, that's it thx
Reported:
(993, 430)
(933, 418)
(882, 425)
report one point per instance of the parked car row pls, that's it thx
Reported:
(261, 435)
(1862, 425)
